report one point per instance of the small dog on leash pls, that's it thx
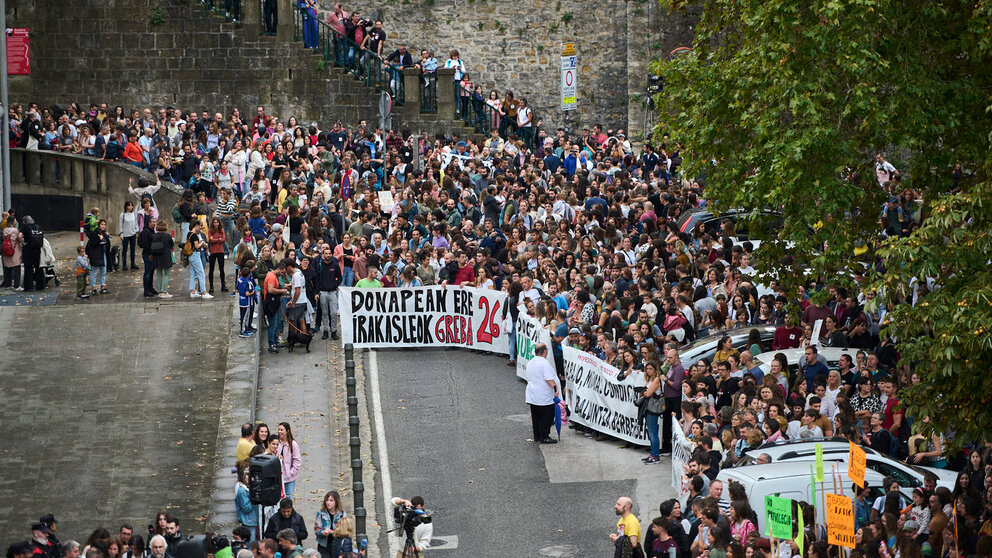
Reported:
(297, 337)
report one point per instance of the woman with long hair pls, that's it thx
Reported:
(247, 514)
(289, 452)
(128, 227)
(327, 518)
(652, 384)
(261, 434)
(216, 238)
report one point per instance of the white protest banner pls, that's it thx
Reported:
(529, 334)
(681, 452)
(423, 317)
(386, 200)
(598, 400)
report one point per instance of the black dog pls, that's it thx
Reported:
(297, 337)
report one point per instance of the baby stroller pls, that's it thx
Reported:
(47, 264)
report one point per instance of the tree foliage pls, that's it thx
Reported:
(783, 105)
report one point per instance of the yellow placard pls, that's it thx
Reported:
(856, 463)
(840, 520)
(568, 49)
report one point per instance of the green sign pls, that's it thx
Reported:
(819, 462)
(778, 516)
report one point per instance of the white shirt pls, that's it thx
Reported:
(532, 294)
(539, 372)
(299, 282)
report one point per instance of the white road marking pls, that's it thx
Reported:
(380, 434)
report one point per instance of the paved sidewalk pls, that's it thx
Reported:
(308, 391)
(112, 414)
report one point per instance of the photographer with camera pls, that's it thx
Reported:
(415, 524)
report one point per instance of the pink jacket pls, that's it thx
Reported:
(291, 461)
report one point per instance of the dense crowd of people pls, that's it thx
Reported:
(582, 231)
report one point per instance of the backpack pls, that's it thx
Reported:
(186, 252)
(177, 215)
(8, 246)
(35, 238)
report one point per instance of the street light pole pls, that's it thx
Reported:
(5, 108)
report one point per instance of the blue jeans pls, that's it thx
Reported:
(289, 487)
(196, 272)
(275, 326)
(513, 343)
(98, 276)
(348, 277)
(652, 421)
(228, 224)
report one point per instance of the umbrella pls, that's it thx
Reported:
(559, 413)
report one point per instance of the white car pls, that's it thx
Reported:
(837, 449)
(791, 479)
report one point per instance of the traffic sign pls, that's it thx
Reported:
(569, 76)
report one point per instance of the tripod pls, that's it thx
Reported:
(409, 548)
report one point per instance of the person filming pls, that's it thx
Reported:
(414, 525)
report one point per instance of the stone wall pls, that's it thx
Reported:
(139, 53)
(113, 51)
(516, 45)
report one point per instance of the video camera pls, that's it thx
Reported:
(409, 518)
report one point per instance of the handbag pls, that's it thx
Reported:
(655, 405)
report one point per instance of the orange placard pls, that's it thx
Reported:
(840, 520)
(856, 463)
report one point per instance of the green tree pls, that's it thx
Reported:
(783, 105)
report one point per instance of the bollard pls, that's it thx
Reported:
(360, 522)
(352, 384)
(356, 446)
(353, 426)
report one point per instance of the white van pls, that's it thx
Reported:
(791, 479)
(837, 449)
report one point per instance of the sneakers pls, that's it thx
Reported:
(195, 294)
(164, 295)
(651, 460)
(82, 296)
(206, 295)
(103, 290)
(273, 349)
(245, 334)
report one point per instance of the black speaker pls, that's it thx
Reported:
(264, 480)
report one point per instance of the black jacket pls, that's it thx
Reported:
(145, 239)
(295, 522)
(327, 276)
(97, 247)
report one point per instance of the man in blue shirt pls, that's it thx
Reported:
(812, 368)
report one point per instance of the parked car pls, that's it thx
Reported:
(791, 479)
(837, 449)
(705, 347)
(712, 222)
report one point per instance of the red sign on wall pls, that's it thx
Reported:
(18, 51)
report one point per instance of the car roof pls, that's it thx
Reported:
(802, 447)
(832, 354)
(740, 332)
(781, 470)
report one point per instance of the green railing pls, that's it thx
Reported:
(336, 49)
(475, 112)
(231, 10)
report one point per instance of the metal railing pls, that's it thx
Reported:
(428, 93)
(370, 68)
(473, 110)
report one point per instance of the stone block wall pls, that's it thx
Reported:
(516, 45)
(139, 53)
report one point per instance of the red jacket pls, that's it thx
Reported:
(465, 275)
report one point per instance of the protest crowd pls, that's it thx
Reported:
(610, 248)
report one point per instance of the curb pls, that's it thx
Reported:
(237, 407)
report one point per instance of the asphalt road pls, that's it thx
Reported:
(457, 431)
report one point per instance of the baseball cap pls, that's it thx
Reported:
(574, 330)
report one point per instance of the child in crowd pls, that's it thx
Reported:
(82, 272)
(246, 298)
